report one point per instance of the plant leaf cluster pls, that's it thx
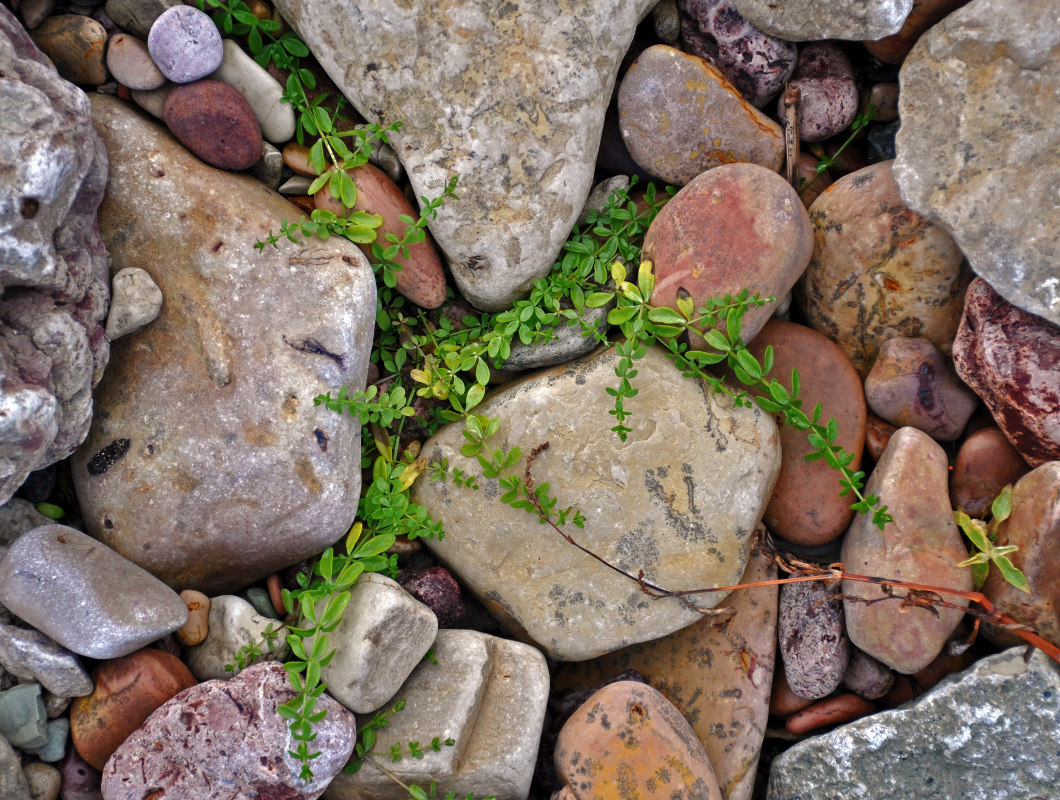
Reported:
(985, 551)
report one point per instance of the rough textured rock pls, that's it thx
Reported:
(979, 94)
(53, 170)
(32, 655)
(185, 44)
(813, 645)
(679, 499)
(233, 622)
(487, 693)
(806, 20)
(866, 677)
(136, 302)
(80, 779)
(894, 48)
(921, 544)
(1011, 359)
(84, 595)
(224, 733)
(13, 784)
(214, 400)
(514, 110)
(824, 77)
(1001, 711)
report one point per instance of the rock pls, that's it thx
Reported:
(806, 507)
(53, 170)
(198, 625)
(269, 169)
(154, 101)
(829, 95)
(32, 655)
(879, 270)
(137, 16)
(233, 623)
(13, 785)
(878, 434)
(34, 12)
(925, 13)
(261, 91)
(735, 227)
(522, 149)
(136, 302)
(75, 44)
(885, 97)
(221, 734)
(680, 117)
(185, 44)
(812, 642)
(80, 779)
(627, 740)
(679, 506)
(912, 383)
(921, 545)
(486, 693)
(754, 62)
(866, 677)
(129, 61)
(827, 713)
(811, 181)
(23, 720)
(568, 342)
(54, 705)
(127, 691)
(259, 599)
(985, 83)
(437, 589)
(84, 595)
(986, 463)
(882, 142)
(17, 516)
(215, 122)
(716, 672)
(54, 749)
(783, 702)
(44, 781)
(666, 21)
(1034, 527)
(215, 397)
(1001, 711)
(808, 20)
(1009, 358)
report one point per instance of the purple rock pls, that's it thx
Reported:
(436, 589)
(81, 780)
(829, 94)
(813, 644)
(185, 44)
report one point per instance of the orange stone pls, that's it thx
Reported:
(828, 712)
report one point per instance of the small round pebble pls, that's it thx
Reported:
(81, 781)
(867, 677)
(215, 122)
(44, 781)
(129, 61)
(828, 712)
(436, 589)
(185, 44)
(198, 624)
(825, 78)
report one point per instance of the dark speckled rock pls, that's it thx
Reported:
(812, 642)
(829, 101)
(437, 589)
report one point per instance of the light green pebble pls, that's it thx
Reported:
(55, 748)
(23, 720)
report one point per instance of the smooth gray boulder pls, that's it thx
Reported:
(811, 20)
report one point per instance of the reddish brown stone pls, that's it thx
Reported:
(215, 122)
(783, 701)
(986, 463)
(894, 48)
(878, 433)
(828, 712)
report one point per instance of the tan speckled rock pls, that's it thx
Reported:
(808, 20)
(679, 499)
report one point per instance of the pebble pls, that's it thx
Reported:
(13, 785)
(215, 122)
(260, 600)
(885, 97)
(437, 589)
(53, 750)
(882, 142)
(269, 169)
(878, 433)
(185, 44)
(128, 690)
(829, 94)
(866, 677)
(81, 781)
(34, 12)
(986, 463)
(924, 14)
(828, 713)
(135, 302)
(32, 655)
(154, 101)
(75, 44)
(262, 92)
(198, 625)
(812, 643)
(137, 16)
(811, 20)
(129, 61)
(680, 117)
(233, 622)
(54, 705)
(44, 781)
(811, 181)
(23, 720)
(783, 702)
(274, 585)
(567, 343)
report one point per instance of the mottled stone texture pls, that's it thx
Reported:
(224, 734)
(208, 463)
(980, 95)
(53, 266)
(679, 499)
(509, 99)
(990, 733)
(808, 20)
(812, 643)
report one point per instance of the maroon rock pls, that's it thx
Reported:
(829, 712)
(829, 95)
(812, 643)
(80, 779)
(218, 736)
(436, 589)
(986, 463)
(878, 433)
(216, 123)
(1011, 359)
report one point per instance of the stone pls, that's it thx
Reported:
(136, 301)
(84, 595)
(75, 44)
(198, 625)
(879, 269)
(679, 499)
(215, 122)
(53, 170)
(154, 101)
(986, 463)
(129, 61)
(811, 181)
(824, 77)
(921, 544)
(1001, 711)
(666, 21)
(866, 677)
(44, 781)
(810, 20)
(912, 383)
(185, 44)
(17, 516)
(34, 12)
(137, 16)
(221, 734)
(806, 507)
(259, 599)
(54, 705)
(521, 147)
(878, 433)
(881, 141)
(233, 623)
(127, 691)
(812, 641)
(885, 97)
(627, 740)
(13, 785)
(80, 780)
(569, 341)
(735, 227)
(757, 64)
(486, 693)
(984, 83)
(262, 92)
(269, 169)
(23, 720)
(1010, 359)
(437, 589)
(680, 117)
(828, 713)
(54, 749)
(925, 13)
(32, 655)
(215, 398)
(716, 672)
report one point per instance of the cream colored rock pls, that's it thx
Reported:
(810, 20)
(233, 624)
(135, 301)
(261, 90)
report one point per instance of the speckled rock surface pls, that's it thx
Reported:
(811, 637)
(31, 654)
(828, 102)
(213, 401)
(213, 120)
(947, 744)
(894, 48)
(679, 499)
(980, 92)
(224, 733)
(514, 110)
(53, 170)
(806, 20)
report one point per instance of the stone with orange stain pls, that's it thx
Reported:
(680, 116)
(627, 740)
(75, 44)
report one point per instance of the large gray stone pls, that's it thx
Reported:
(979, 149)
(510, 99)
(810, 20)
(53, 169)
(13, 784)
(989, 733)
(679, 499)
(207, 462)
(32, 655)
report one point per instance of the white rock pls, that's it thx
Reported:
(233, 624)
(135, 301)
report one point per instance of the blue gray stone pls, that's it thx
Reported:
(33, 655)
(23, 720)
(53, 750)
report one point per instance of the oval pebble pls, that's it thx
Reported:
(75, 44)
(129, 61)
(44, 780)
(829, 712)
(829, 103)
(986, 463)
(185, 44)
(215, 122)
(198, 625)
(867, 677)
(812, 643)
(262, 92)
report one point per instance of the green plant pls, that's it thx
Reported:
(255, 651)
(827, 161)
(984, 550)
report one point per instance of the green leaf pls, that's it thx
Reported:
(50, 510)
(974, 529)
(379, 543)
(474, 396)
(620, 316)
(1001, 508)
(1011, 574)
(979, 574)
(665, 316)
(294, 46)
(598, 299)
(749, 364)
(717, 340)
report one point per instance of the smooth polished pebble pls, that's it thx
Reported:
(185, 44)
(44, 781)
(262, 92)
(130, 62)
(198, 625)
